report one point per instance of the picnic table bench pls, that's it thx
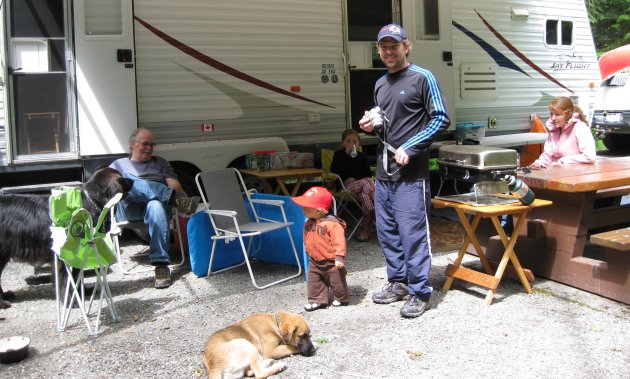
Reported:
(615, 239)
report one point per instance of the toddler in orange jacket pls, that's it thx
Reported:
(325, 245)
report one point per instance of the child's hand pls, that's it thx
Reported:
(339, 264)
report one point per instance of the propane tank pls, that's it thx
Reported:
(519, 189)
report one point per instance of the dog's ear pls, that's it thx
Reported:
(125, 184)
(287, 328)
(287, 331)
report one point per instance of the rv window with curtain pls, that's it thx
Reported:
(559, 33)
(427, 20)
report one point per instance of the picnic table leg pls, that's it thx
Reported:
(282, 187)
(296, 188)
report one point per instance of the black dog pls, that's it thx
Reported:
(25, 221)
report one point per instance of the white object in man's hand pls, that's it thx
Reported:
(365, 122)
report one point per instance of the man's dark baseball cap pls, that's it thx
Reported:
(392, 30)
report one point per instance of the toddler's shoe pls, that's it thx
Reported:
(313, 306)
(337, 303)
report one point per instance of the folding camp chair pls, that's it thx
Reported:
(80, 245)
(345, 198)
(119, 225)
(225, 196)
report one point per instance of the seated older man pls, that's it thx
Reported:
(155, 190)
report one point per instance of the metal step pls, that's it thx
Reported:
(37, 188)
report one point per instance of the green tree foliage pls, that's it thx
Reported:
(610, 23)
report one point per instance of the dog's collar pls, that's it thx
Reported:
(92, 201)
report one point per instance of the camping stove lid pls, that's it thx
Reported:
(477, 157)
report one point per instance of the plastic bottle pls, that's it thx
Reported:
(519, 189)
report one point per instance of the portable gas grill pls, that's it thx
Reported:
(475, 163)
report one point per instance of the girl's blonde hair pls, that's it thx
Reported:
(563, 104)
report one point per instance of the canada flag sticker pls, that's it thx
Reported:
(207, 127)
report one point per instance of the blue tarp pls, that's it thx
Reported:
(271, 247)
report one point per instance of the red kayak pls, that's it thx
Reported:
(614, 61)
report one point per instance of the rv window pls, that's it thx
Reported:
(551, 32)
(103, 18)
(559, 33)
(37, 18)
(427, 20)
(567, 33)
(365, 17)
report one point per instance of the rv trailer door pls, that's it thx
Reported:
(105, 75)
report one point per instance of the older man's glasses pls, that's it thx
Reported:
(146, 144)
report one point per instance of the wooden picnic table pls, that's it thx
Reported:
(281, 175)
(585, 197)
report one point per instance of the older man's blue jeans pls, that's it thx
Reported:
(149, 201)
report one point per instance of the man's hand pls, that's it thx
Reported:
(401, 157)
(339, 264)
(365, 123)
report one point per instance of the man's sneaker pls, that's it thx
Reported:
(162, 276)
(413, 307)
(390, 293)
(187, 205)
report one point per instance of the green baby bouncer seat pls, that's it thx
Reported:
(79, 245)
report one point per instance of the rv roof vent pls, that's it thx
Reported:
(478, 79)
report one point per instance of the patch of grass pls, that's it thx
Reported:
(321, 340)
(570, 301)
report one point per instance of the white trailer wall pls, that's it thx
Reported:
(281, 43)
(518, 94)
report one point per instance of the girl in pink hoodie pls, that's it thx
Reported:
(569, 138)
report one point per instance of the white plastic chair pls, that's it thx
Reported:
(79, 244)
(225, 196)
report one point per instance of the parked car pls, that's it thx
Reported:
(611, 117)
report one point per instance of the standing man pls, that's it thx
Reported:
(413, 115)
(155, 191)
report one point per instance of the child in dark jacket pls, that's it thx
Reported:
(354, 170)
(325, 244)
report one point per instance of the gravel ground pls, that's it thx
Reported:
(556, 332)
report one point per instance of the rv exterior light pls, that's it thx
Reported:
(520, 14)
(296, 88)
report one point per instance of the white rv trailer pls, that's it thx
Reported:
(216, 80)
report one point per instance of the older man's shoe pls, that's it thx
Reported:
(162, 276)
(187, 205)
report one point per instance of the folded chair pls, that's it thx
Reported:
(225, 196)
(80, 245)
(119, 225)
(345, 198)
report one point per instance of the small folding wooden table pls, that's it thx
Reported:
(491, 278)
